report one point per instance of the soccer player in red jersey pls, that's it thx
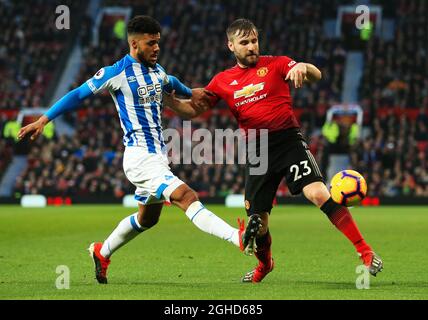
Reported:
(257, 92)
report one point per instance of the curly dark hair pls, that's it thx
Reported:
(143, 24)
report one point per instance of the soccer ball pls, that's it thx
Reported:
(348, 188)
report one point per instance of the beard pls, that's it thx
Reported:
(249, 60)
(141, 57)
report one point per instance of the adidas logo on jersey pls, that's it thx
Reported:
(233, 83)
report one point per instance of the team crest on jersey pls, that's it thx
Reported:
(99, 74)
(248, 91)
(261, 72)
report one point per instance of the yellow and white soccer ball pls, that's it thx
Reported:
(348, 188)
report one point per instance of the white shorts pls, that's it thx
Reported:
(151, 174)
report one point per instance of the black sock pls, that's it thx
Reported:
(263, 240)
(330, 207)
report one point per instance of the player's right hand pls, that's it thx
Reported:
(200, 96)
(200, 99)
(36, 127)
(297, 74)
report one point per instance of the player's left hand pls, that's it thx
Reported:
(297, 74)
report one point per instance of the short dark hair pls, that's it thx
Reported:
(143, 24)
(243, 26)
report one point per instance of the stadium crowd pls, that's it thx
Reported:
(30, 49)
(395, 73)
(6, 148)
(89, 163)
(392, 157)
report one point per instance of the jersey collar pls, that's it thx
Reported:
(245, 68)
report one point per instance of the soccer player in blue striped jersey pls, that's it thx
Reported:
(137, 84)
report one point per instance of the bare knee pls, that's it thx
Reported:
(188, 198)
(317, 193)
(183, 197)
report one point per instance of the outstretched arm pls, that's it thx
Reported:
(303, 72)
(186, 109)
(189, 108)
(67, 103)
(182, 90)
(178, 87)
(105, 78)
(313, 73)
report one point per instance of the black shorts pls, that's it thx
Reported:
(289, 157)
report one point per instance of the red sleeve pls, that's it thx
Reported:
(214, 88)
(285, 64)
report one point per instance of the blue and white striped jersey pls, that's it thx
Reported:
(137, 93)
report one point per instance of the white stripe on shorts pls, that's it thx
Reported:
(314, 163)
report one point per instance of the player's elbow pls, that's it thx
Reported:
(319, 75)
(316, 74)
(314, 77)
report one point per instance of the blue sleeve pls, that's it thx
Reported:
(178, 86)
(106, 78)
(69, 102)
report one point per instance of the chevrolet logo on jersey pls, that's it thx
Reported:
(248, 91)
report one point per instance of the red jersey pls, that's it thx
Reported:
(258, 96)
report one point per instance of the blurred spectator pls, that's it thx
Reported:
(395, 71)
(6, 148)
(30, 48)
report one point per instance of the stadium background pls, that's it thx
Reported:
(79, 158)
(82, 155)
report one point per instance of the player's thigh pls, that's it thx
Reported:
(151, 175)
(301, 168)
(148, 215)
(317, 193)
(260, 191)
